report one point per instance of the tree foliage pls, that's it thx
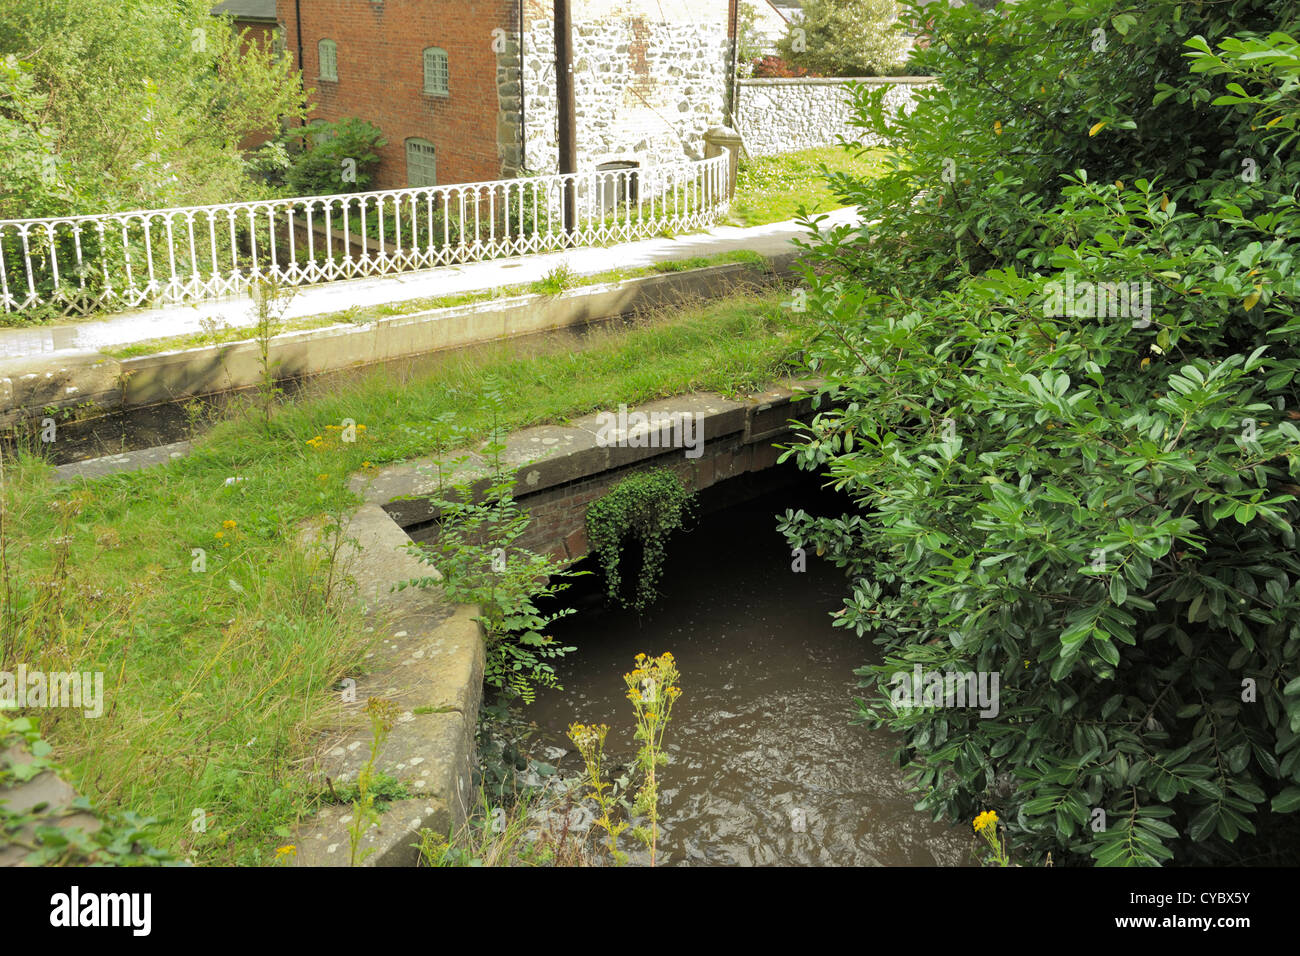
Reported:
(129, 104)
(1059, 370)
(845, 38)
(336, 157)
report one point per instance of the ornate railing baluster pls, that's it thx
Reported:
(611, 205)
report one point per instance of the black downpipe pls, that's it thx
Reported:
(733, 56)
(297, 16)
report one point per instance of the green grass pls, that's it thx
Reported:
(772, 188)
(553, 284)
(215, 681)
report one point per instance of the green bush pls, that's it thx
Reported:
(155, 123)
(336, 157)
(845, 38)
(118, 840)
(1059, 369)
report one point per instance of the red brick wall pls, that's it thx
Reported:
(381, 76)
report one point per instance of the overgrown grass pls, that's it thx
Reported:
(535, 828)
(772, 188)
(557, 281)
(216, 679)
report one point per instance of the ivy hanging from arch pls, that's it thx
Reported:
(648, 506)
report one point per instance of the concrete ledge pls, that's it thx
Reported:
(548, 456)
(127, 461)
(429, 661)
(560, 469)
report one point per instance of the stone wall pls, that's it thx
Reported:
(783, 115)
(647, 84)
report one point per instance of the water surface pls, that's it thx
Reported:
(765, 766)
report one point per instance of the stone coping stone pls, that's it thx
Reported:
(429, 661)
(545, 456)
(127, 461)
(835, 80)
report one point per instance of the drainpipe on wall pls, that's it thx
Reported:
(566, 121)
(523, 129)
(297, 16)
(733, 18)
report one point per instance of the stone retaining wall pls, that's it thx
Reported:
(783, 115)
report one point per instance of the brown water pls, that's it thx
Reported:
(761, 740)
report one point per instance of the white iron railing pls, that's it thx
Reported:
(115, 261)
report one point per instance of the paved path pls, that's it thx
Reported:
(127, 327)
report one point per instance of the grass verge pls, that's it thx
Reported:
(772, 188)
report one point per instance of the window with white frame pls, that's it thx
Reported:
(421, 163)
(437, 75)
(329, 59)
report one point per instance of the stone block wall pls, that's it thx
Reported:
(648, 83)
(784, 115)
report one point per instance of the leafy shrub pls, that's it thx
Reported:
(156, 123)
(774, 67)
(1089, 492)
(476, 554)
(120, 840)
(845, 38)
(336, 158)
(478, 561)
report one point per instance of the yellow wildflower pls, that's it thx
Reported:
(986, 819)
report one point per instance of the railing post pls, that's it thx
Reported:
(720, 139)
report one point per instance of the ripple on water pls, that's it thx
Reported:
(765, 766)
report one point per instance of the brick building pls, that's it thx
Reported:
(258, 17)
(463, 95)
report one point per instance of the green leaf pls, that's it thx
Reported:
(1288, 801)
